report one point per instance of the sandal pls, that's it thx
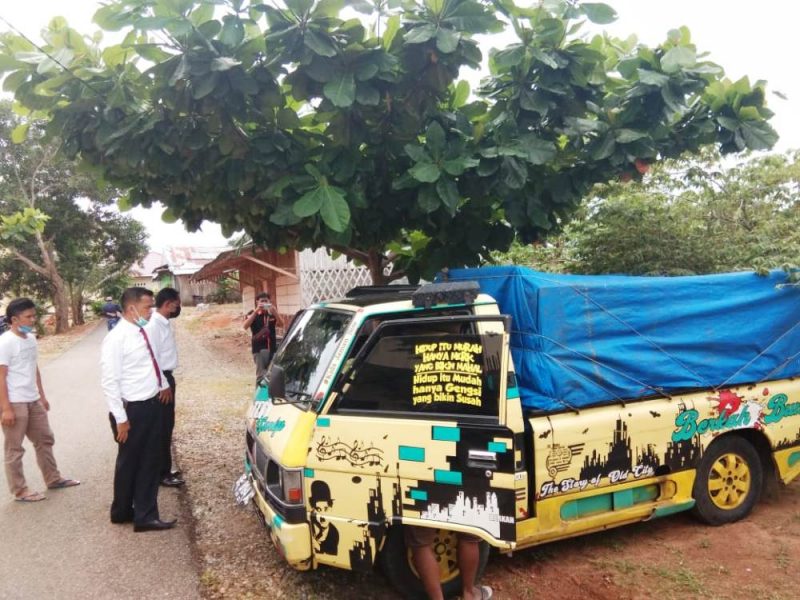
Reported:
(484, 592)
(63, 483)
(31, 497)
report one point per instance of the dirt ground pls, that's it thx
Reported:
(674, 557)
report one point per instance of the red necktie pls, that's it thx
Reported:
(152, 356)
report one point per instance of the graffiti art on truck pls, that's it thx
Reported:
(560, 457)
(357, 454)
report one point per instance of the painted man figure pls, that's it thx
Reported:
(135, 387)
(24, 405)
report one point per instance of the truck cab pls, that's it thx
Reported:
(393, 406)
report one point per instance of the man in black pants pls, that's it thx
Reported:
(134, 387)
(162, 337)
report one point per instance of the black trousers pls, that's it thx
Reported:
(168, 426)
(138, 467)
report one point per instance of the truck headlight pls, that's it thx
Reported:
(292, 485)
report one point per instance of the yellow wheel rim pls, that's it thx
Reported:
(444, 547)
(729, 481)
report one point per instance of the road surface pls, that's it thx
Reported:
(65, 547)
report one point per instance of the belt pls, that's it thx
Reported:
(153, 400)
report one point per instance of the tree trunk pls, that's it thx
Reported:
(60, 302)
(375, 264)
(76, 303)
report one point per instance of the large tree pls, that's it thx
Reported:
(687, 217)
(307, 127)
(51, 246)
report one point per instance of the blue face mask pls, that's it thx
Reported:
(141, 322)
(26, 329)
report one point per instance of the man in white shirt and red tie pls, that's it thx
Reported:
(135, 386)
(168, 306)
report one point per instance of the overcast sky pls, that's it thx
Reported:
(745, 37)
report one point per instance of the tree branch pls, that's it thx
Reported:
(30, 264)
(352, 253)
(395, 275)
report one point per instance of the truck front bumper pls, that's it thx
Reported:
(293, 541)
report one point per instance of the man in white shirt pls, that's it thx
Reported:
(168, 306)
(24, 405)
(135, 386)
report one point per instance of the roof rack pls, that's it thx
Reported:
(374, 290)
(447, 292)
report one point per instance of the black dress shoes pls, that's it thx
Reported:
(154, 525)
(172, 481)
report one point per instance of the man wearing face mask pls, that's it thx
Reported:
(162, 336)
(24, 405)
(135, 388)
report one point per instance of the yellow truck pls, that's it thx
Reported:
(401, 406)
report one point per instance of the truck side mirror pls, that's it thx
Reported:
(277, 383)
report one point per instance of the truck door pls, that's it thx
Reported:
(414, 433)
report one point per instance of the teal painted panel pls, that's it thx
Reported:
(262, 393)
(794, 458)
(451, 477)
(277, 521)
(671, 509)
(323, 422)
(497, 447)
(418, 495)
(645, 493)
(586, 506)
(308, 472)
(512, 393)
(446, 434)
(247, 466)
(623, 499)
(412, 453)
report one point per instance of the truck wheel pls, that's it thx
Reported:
(729, 481)
(398, 566)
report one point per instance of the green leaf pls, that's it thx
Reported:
(287, 119)
(224, 63)
(759, 135)
(677, 58)
(319, 44)
(299, 7)
(509, 57)
(652, 77)
(341, 90)
(20, 133)
(417, 153)
(284, 215)
(124, 203)
(626, 136)
(367, 95)
(428, 198)
(728, 123)
(447, 40)
(335, 211)
(457, 166)
(420, 34)
(460, 95)
(168, 216)
(328, 8)
(448, 193)
(538, 151)
(232, 32)
(599, 13)
(425, 172)
(309, 203)
(392, 27)
(435, 139)
(202, 14)
(204, 86)
(605, 149)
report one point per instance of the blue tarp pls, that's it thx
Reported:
(581, 340)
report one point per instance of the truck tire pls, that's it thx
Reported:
(729, 481)
(396, 563)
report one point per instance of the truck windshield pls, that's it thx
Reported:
(307, 352)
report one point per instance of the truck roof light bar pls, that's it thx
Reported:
(448, 292)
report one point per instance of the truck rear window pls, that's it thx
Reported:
(412, 370)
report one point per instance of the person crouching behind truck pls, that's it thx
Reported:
(262, 321)
(420, 541)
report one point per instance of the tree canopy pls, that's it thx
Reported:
(51, 247)
(307, 126)
(687, 217)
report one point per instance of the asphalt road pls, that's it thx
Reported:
(65, 547)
